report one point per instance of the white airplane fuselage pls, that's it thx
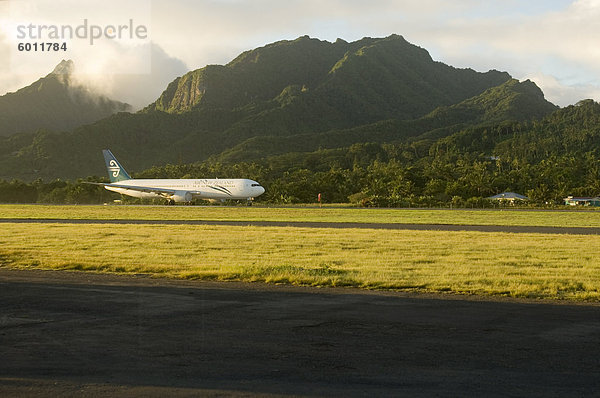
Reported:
(185, 190)
(177, 190)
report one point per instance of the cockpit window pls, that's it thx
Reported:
(256, 185)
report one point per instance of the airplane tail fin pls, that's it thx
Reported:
(116, 172)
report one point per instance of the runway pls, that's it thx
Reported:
(336, 225)
(72, 334)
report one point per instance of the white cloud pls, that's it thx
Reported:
(128, 68)
(217, 31)
(561, 44)
(109, 74)
(137, 89)
(559, 93)
(10, 81)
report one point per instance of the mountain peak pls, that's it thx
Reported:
(63, 72)
(512, 100)
(54, 102)
(65, 67)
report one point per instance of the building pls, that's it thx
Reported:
(583, 201)
(509, 197)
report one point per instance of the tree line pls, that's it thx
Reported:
(546, 160)
(380, 175)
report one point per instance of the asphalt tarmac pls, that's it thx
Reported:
(80, 334)
(336, 225)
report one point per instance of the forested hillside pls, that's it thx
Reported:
(510, 101)
(547, 160)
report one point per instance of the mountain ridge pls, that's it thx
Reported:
(296, 88)
(388, 68)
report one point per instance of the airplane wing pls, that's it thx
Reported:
(167, 193)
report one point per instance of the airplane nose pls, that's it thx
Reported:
(261, 190)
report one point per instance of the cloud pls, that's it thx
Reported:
(217, 31)
(136, 76)
(9, 81)
(559, 93)
(559, 43)
(125, 66)
(230, 26)
(137, 89)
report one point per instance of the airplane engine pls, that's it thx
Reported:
(182, 196)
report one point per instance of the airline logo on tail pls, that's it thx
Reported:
(116, 172)
(114, 168)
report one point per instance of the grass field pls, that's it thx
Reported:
(311, 214)
(517, 265)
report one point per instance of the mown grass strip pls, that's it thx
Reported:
(517, 265)
(304, 214)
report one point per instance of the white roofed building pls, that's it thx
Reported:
(508, 196)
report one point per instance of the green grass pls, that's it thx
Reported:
(516, 265)
(326, 214)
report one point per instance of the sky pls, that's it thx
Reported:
(551, 42)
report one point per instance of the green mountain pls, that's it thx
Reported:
(309, 85)
(510, 101)
(297, 95)
(54, 103)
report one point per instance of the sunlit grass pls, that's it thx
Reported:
(310, 214)
(517, 265)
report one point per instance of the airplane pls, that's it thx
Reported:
(180, 190)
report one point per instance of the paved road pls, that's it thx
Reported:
(74, 334)
(300, 224)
